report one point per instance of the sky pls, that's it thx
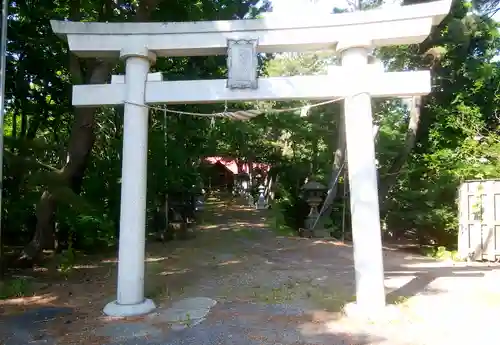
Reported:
(313, 7)
(300, 6)
(303, 7)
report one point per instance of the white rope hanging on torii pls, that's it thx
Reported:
(243, 115)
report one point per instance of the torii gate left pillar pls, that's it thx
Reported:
(130, 290)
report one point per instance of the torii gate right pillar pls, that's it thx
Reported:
(365, 216)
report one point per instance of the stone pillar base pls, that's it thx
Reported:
(261, 206)
(383, 314)
(321, 233)
(124, 310)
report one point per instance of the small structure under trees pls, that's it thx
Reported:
(226, 170)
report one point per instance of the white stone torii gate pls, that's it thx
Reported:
(352, 35)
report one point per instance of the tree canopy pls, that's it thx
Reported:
(63, 165)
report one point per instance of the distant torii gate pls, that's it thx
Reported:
(352, 35)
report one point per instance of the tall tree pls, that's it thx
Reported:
(34, 17)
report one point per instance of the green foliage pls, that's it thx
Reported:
(458, 137)
(14, 288)
(66, 260)
(39, 122)
(277, 221)
(440, 253)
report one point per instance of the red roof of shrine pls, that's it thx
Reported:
(232, 165)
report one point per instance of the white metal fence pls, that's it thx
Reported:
(479, 220)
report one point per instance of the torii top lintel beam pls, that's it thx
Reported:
(383, 27)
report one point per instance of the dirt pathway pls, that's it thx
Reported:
(268, 289)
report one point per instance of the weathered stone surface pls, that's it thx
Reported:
(121, 331)
(185, 313)
(239, 323)
(179, 315)
(199, 303)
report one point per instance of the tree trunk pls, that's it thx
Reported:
(272, 179)
(44, 233)
(314, 161)
(337, 166)
(272, 188)
(250, 171)
(338, 157)
(81, 138)
(392, 174)
(80, 146)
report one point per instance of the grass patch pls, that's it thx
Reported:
(284, 230)
(277, 221)
(329, 300)
(15, 288)
(157, 291)
(440, 253)
(66, 261)
(246, 232)
(319, 297)
(156, 287)
(275, 295)
(398, 300)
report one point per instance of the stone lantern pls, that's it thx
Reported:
(313, 194)
(261, 201)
